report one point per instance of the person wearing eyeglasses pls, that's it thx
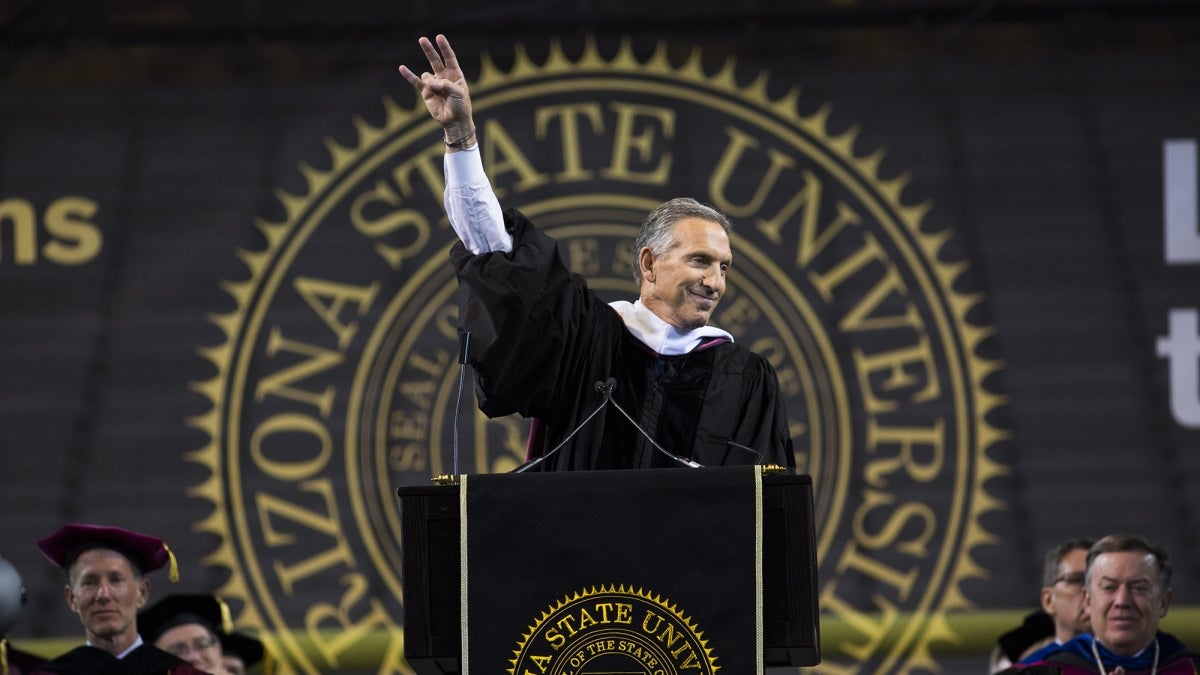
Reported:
(189, 627)
(1062, 594)
(1127, 591)
(1061, 615)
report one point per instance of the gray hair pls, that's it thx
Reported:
(1055, 556)
(658, 230)
(1120, 543)
(73, 566)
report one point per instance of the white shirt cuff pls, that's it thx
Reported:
(471, 204)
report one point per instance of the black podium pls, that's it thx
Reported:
(431, 541)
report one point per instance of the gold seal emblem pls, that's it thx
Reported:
(613, 629)
(337, 377)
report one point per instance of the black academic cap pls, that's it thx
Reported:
(248, 649)
(180, 610)
(145, 552)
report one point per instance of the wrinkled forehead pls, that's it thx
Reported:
(1125, 566)
(693, 232)
(103, 557)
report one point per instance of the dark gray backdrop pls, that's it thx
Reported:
(1036, 129)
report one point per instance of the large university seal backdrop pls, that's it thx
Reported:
(337, 379)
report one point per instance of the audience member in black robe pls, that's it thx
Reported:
(242, 653)
(106, 571)
(544, 345)
(188, 625)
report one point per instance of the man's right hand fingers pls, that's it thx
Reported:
(448, 57)
(410, 76)
(431, 53)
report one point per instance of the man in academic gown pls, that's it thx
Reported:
(188, 625)
(106, 571)
(1127, 592)
(545, 346)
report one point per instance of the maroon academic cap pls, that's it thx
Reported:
(144, 552)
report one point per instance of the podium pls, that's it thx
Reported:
(431, 567)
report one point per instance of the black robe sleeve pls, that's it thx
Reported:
(761, 421)
(526, 312)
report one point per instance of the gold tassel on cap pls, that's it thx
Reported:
(226, 617)
(4, 655)
(173, 568)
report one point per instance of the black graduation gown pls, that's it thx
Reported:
(20, 661)
(541, 339)
(145, 660)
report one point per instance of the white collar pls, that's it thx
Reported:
(136, 643)
(659, 335)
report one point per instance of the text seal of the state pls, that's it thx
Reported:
(338, 377)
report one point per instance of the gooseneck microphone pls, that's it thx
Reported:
(721, 440)
(605, 389)
(464, 352)
(684, 461)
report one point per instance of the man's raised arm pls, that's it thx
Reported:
(470, 202)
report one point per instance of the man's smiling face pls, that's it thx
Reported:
(684, 285)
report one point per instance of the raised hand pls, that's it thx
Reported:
(444, 90)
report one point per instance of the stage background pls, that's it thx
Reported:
(1035, 129)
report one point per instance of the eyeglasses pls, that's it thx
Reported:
(180, 649)
(1072, 579)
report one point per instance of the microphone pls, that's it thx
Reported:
(464, 352)
(684, 461)
(721, 440)
(605, 389)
